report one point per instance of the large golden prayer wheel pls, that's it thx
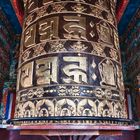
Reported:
(69, 67)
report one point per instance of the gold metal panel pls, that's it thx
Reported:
(70, 63)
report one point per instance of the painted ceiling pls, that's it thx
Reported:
(129, 12)
(8, 9)
(126, 9)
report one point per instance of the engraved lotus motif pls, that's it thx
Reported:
(75, 91)
(39, 92)
(30, 94)
(108, 94)
(87, 107)
(58, 7)
(57, 46)
(62, 90)
(39, 50)
(79, 8)
(99, 93)
(65, 107)
(78, 46)
(26, 55)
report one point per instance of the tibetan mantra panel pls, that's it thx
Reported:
(69, 67)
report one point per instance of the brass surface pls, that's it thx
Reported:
(70, 61)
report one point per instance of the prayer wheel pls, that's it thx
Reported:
(70, 66)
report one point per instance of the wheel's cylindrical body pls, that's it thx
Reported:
(69, 62)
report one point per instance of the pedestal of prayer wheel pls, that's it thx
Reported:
(69, 67)
(72, 130)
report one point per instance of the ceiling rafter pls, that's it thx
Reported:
(120, 11)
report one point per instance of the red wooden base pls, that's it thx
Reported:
(69, 129)
(15, 135)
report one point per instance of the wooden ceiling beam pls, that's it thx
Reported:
(121, 9)
(18, 11)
